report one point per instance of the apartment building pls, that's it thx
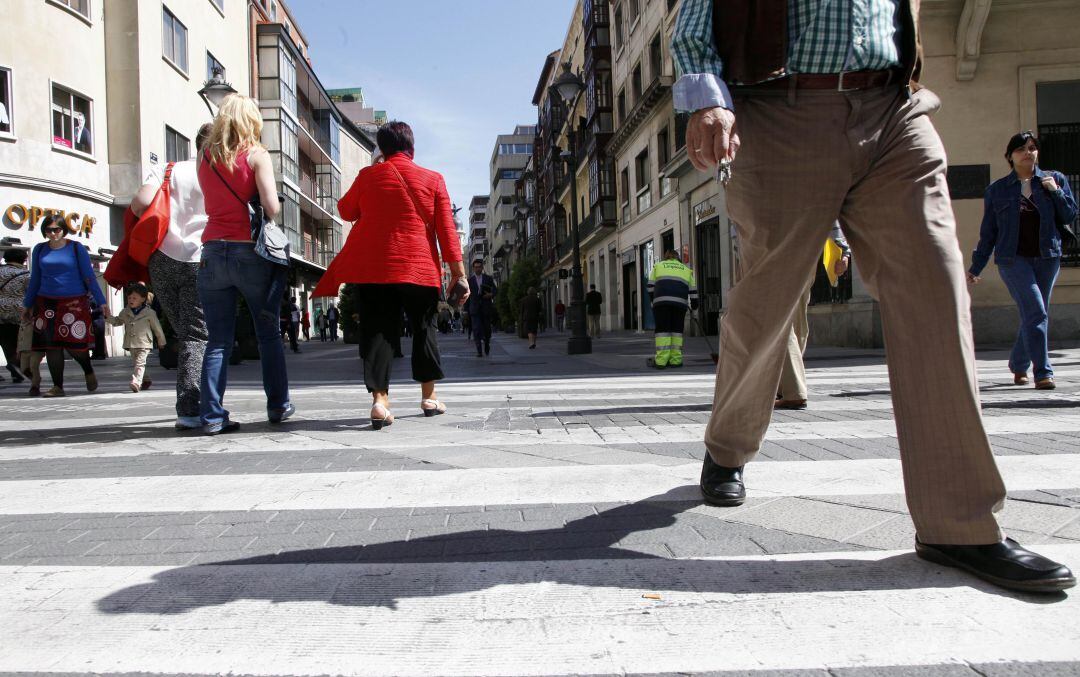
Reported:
(82, 126)
(507, 164)
(477, 247)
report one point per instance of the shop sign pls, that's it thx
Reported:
(18, 215)
(704, 210)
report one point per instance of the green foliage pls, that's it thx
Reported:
(525, 274)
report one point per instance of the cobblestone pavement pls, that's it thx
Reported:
(549, 523)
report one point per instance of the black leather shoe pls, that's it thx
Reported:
(722, 486)
(1006, 564)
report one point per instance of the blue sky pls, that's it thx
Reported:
(460, 72)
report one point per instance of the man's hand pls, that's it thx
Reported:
(711, 137)
(973, 279)
(841, 266)
(1049, 184)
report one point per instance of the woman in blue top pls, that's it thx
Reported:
(58, 305)
(1022, 212)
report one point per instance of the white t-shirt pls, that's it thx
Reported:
(187, 217)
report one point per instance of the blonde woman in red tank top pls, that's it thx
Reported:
(234, 169)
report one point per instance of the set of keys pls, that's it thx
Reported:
(723, 173)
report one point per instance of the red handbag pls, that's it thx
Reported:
(150, 230)
(122, 269)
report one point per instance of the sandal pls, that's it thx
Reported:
(432, 408)
(377, 422)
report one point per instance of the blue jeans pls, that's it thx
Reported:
(1030, 282)
(228, 269)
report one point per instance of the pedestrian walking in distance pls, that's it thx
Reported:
(772, 100)
(332, 318)
(174, 274)
(403, 222)
(594, 302)
(481, 307)
(291, 312)
(1021, 215)
(57, 303)
(673, 290)
(560, 314)
(792, 393)
(232, 170)
(141, 331)
(531, 310)
(14, 278)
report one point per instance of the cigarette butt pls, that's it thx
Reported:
(652, 595)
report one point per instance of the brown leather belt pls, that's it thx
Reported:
(841, 82)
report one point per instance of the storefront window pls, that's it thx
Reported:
(72, 120)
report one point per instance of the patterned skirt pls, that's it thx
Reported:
(62, 323)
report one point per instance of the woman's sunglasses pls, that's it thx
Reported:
(48, 231)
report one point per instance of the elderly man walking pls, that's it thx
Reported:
(817, 107)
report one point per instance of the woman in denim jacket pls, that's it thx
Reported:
(1019, 226)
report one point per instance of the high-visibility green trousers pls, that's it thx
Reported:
(669, 335)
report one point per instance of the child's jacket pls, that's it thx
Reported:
(139, 330)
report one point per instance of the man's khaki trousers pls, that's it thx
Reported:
(793, 374)
(872, 159)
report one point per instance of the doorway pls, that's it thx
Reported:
(708, 273)
(630, 285)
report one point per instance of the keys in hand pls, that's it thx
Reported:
(723, 173)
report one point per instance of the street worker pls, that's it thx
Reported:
(673, 289)
(810, 113)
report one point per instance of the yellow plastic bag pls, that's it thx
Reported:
(832, 254)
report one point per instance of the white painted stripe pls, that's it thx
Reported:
(484, 486)
(810, 611)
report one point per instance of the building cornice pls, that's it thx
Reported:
(57, 187)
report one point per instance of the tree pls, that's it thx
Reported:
(525, 274)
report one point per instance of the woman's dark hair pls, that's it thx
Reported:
(1019, 141)
(395, 137)
(53, 220)
(137, 288)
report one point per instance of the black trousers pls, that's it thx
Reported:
(669, 319)
(481, 329)
(380, 307)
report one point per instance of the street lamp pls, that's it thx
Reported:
(215, 90)
(568, 87)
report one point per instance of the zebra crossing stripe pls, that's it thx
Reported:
(485, 486)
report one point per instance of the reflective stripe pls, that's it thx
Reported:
(669, 299)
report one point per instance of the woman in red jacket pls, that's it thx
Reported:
(403, 221)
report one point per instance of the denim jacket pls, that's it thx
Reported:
(1000, 228)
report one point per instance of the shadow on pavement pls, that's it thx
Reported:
(580, 553)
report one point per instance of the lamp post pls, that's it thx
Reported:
(215, 90)
(568, 87)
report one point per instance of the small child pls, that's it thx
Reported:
(141, 327)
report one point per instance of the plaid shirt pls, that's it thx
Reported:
(824, 36)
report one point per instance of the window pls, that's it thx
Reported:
(72, 120)
(663, 148)
(78, 6)
(177, 146)
(510, 174)
(624, 188)
(620, 106)
(1057, 106)
(212, 64)
(7, 115)
(619, 36)
(173, 39)
(635, 12)
(643, 174)
(515, 149)
(636, 83)
(656, 58)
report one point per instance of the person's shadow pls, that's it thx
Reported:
(582, 553)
